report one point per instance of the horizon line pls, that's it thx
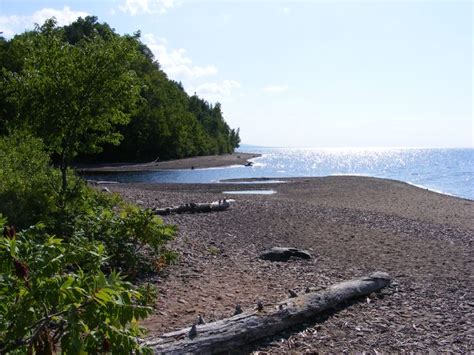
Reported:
(355, 147)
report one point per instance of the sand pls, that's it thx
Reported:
(352, 226)
(208, 161)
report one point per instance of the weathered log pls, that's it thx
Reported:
(220, 205)
(242, 329)
(284, 254)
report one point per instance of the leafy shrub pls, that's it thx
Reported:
(66, 292)
(30, 192)
(46, 299)
(27, 181)
(135, 238)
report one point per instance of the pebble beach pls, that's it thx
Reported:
(352, 226)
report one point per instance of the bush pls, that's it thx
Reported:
(31, 192)
(46, 299)
(135, 238)
(65, 291)
(27, 193)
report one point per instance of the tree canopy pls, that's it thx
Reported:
(87, 91)
(74, 96)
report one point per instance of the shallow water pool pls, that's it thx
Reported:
(250, 192)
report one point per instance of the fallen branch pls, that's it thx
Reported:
(244, 328)
(220, 205)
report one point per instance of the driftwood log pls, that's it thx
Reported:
(220, 205)
(284, 254)
(231, 334)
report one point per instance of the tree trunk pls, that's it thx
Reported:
(63, 168)
(232, 333)
(63, 191)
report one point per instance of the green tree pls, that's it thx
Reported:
(59, 80)
(73, 96)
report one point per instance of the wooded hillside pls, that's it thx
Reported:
(160, 120)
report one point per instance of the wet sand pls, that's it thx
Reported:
(208, 161)
(352, 226)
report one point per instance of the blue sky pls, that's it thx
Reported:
(305, 73)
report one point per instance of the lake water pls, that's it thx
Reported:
(449, 171)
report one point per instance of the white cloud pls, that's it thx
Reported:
(224, 88)
(179, 66)
(10, 25)
(63, 17)
(275, 89)
(136, 7)
(175, 62)
(215, 91)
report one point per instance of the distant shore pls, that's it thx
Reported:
(352, 226)
(201, 162)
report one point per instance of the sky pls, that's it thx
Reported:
(302, 73)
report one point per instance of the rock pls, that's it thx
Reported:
(284, 254)
(238, 309)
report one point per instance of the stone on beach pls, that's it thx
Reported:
(350, 225)
(284, 254)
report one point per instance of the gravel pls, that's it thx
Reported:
(351, 226)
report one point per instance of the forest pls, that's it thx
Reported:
(109, 78)
(74, 260)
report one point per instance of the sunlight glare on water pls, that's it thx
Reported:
(448, 170)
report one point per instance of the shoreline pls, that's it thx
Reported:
(351, 225)
(216, 161)
(199, 162)
(278, 180)
(263, 180)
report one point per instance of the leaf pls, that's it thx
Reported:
(102, 296)
(67, 283)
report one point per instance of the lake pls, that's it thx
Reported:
(450, 171)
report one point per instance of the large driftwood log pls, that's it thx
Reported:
(220, 205)
(232, 333)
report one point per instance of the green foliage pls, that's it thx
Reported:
(26, 189)
(66, 292)
(49, 296)
(170, 124)
(72, 87)
(135, 238)
(74, 96)
(78, 86)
